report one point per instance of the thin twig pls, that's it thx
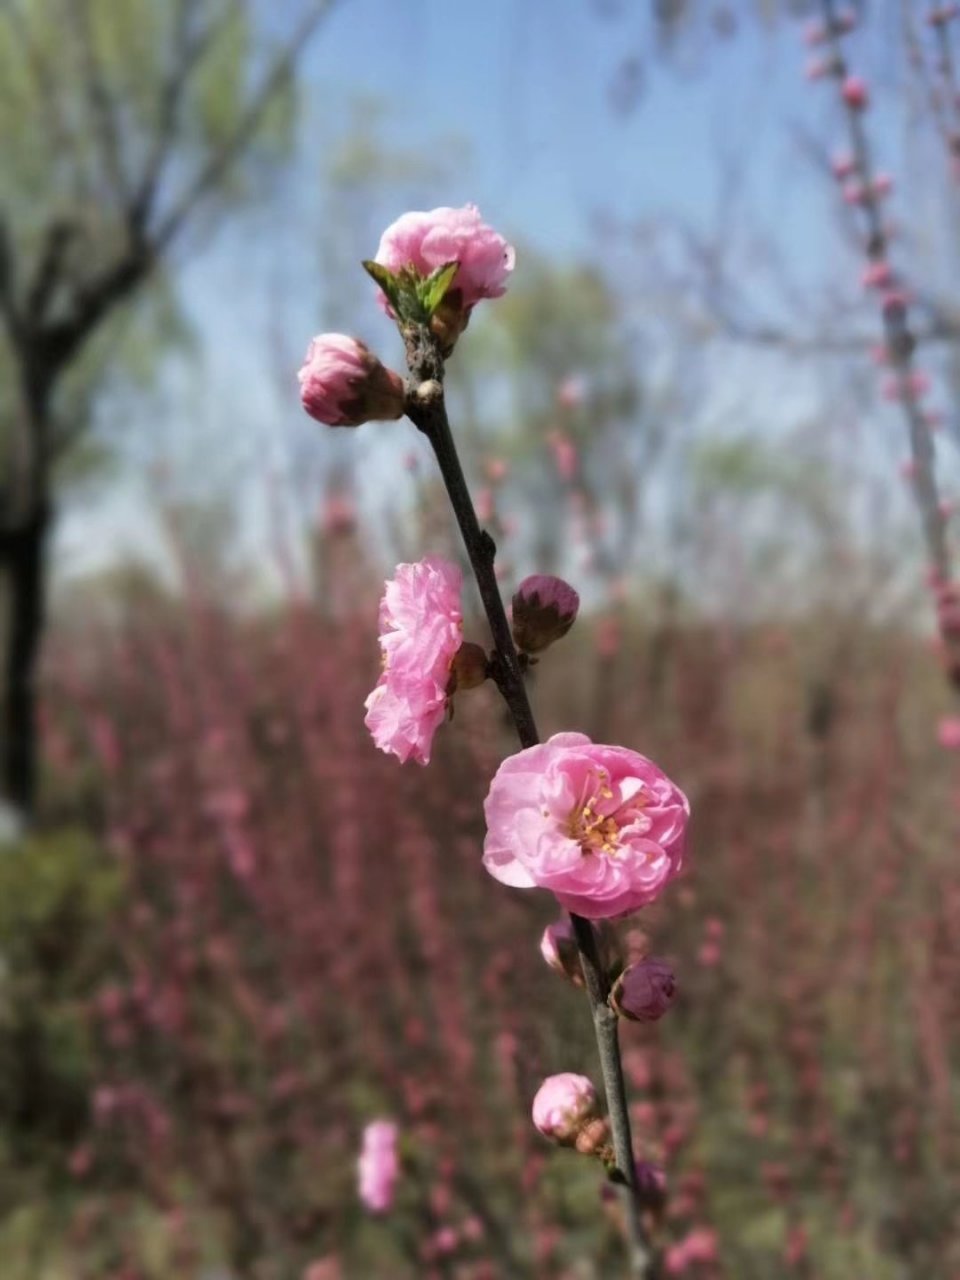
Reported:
(426, 408)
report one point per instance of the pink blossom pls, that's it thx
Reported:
(378, 1165)
(563, 1105)
(426, 241)
(855, 93)
(600, 826)
(948, 733)
(421, 629)
(343, 384)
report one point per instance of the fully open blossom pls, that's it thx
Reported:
(601, 826)
(378, 1165)
(342, 383)
(563, 1105)
(421, 629)
(425, 241)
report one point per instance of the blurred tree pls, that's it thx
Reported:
(123, 124)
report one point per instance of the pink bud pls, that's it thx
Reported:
(855, 193)
(948, 733)
(563, 1105)
(559, 950)
(814, 33)
(343, 384)
(645, 991)
(855, 93)
(908, 469)
(882, 185)
(877, 275)
(816, 68)
(843, 166)
(496, 470)
(544, 610)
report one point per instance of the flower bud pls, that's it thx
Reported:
(855, 93)
(343, 384)
(645, 991)
(469, 668)
(564, 1105)
(560, 951)
(544, 610)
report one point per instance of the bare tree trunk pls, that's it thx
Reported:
(23, 563)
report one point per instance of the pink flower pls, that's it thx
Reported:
(425, 241)
(378, 1165)
(421, 629)
(600, 826)
(343, 384)
(948, 733)
(563, 1105)
(855, 93)
(645, 991)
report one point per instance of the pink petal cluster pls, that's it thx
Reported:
(343, 384)
(564, 1103)
(378, 1165)
(421, 629)
(426, 241)
(601, 826)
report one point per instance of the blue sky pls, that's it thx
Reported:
(526, 89)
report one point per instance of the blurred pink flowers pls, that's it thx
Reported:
(426, 241)
(343, 384)
(602, 827)
(421, 629)
(948, 733)
(563, 1105)
(378, 1165)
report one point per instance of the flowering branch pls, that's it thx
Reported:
(426, 408)
(602, 827)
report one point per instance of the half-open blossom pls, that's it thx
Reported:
(421, 629)
(601, 826)
(645, 991)
(424, 241)
(563, 1105)
(343, 384)
(544, 609)
(378, 1165)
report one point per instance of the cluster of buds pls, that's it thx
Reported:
(566, 1110)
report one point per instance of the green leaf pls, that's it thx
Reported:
(387, 281)
(433, 290)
